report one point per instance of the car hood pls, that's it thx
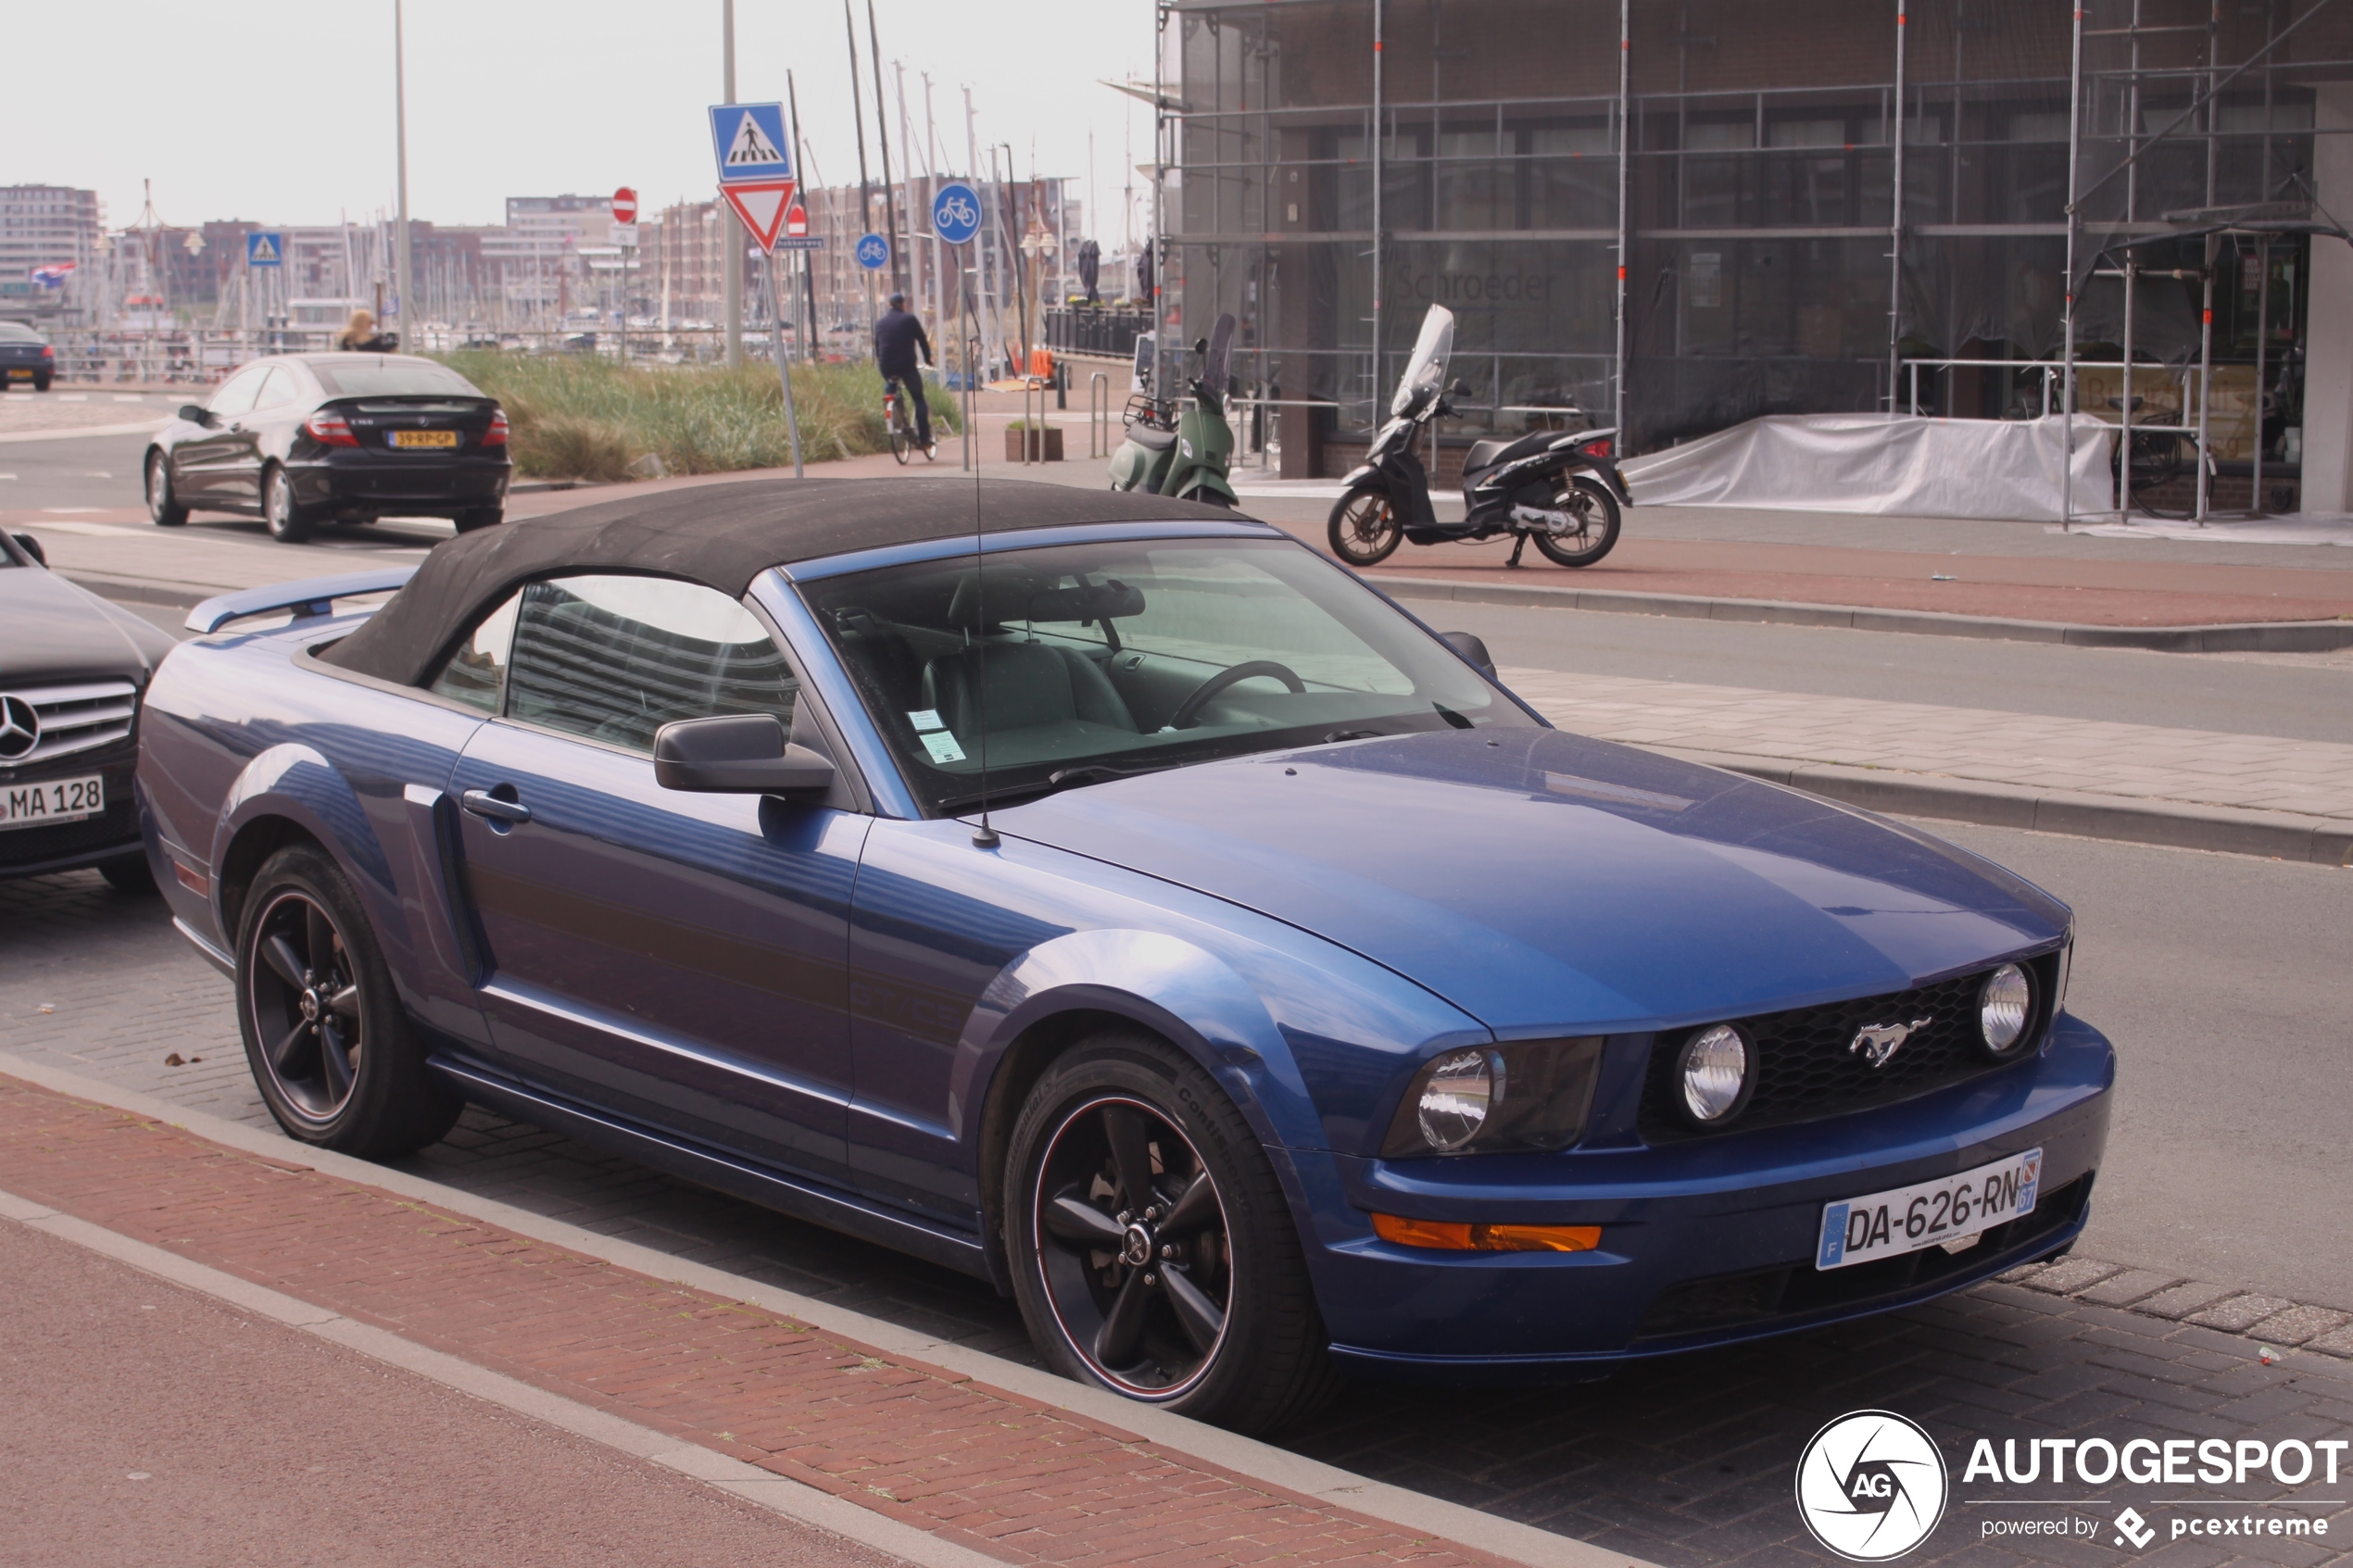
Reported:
(1543, 881)
(55, 632)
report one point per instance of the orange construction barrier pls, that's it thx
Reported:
(1041, 363)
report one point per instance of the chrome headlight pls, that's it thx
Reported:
(2003, 1006)
(1715, 1071)
(1461, 1090)
(1523, 1094)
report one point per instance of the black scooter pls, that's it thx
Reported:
(1562, 490)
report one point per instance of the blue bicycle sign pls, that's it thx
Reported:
(955, 213)
(873, 253)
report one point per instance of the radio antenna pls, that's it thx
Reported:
(986, 837)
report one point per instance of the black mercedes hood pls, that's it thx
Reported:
(53, 632)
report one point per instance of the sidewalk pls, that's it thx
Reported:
(1007, 1475)
(2190, 788)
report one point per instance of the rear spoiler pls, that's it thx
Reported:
(312, 596)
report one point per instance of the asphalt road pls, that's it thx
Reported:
(82, 472)
(148, 1425)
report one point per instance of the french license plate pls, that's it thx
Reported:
(444, 438)
(52, 800)
(1888, 1224)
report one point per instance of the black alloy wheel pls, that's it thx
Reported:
(1154, 1251)
(163, 506)
(289, 522)
(1592, 526)
(1365, 527)
(332, 1052)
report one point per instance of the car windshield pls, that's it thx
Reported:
(368, 375)
(1078, 663)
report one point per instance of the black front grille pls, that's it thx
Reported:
(1806, 1067)
(1799, 1290)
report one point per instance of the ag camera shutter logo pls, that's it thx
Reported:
(1871, 1485)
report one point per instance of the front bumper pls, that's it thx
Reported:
(371, 482)
(1704, 1243)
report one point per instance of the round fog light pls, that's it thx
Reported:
(2002, 1007)
(1457, 1096)
(1714, 1073)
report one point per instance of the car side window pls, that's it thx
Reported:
(613, 658)
(475, 671)
(236, 393)
(280, 388)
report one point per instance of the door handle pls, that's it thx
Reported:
(481, 803)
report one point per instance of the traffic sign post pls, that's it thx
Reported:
(874, 252)
(955, 217)
(265, 250)
(756, 177)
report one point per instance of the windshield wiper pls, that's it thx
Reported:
(1065, 778)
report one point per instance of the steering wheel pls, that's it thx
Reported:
(1190, 709)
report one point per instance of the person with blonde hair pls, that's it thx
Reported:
(359, 334)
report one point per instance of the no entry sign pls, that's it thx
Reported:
(624, 205)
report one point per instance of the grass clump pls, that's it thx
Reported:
(585, 416)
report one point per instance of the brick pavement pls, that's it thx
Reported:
(1685, 1462)
(2138, 762)
(973, 1464)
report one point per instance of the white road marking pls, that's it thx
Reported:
(128, 397)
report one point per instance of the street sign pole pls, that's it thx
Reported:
(776, 347)
(955, 219)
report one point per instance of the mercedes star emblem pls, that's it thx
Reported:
(19, 728)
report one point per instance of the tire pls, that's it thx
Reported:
(336, 1059)
(1220, 1322)
(481, 517)
(289, 522)
(1597, 512)
(903, 445)
(41, 383)
(1365, 529)
(129, 875)
(163, 501)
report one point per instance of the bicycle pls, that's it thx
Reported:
(902, 430)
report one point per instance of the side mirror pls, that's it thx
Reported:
(1474, 652)
(194, 414)
(739, 754)
(1201, 345)
(1460, 389)
(31, 547)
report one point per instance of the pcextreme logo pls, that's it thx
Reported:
(1871, 1485)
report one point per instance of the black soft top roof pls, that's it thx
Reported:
(721, 535)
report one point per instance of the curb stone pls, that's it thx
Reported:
(2272, 1319)
(2259, 636)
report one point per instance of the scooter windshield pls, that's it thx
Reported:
(1427, 369)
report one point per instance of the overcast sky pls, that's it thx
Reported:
(281, 111)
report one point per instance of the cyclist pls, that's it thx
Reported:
(899, 337)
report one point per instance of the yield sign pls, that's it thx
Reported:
(762, 204)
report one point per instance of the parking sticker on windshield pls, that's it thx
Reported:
(942, 746)
(924, 717)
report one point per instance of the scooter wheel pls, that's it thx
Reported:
(1364, 528)
(1595, 511)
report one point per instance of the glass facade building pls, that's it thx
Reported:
(1818, 207)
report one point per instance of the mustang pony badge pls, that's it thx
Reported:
(1879, 1041)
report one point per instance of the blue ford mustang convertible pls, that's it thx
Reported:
(1113, 899)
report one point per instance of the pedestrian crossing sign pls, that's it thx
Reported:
(265, 250)
(749, 140)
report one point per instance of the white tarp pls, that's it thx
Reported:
(1900, 467)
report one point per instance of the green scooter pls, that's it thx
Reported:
(1180, 455)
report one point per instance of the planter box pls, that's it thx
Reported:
(1045, 445)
